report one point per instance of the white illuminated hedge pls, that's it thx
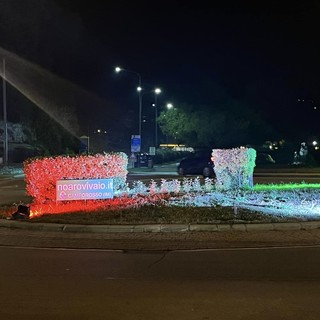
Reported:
(234, 167)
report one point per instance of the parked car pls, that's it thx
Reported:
(198, 163)
(143, 160)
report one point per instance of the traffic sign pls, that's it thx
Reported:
(135, 143)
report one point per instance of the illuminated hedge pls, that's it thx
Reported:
(41, 174)
(234, 167)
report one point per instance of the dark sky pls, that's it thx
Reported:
(268, 47)
(266, 52)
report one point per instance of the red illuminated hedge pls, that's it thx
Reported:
(41, 174)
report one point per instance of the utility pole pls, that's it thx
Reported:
(4, 97)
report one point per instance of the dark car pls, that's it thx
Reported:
(198, 163)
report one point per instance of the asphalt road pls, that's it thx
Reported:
(264, 284)
(235, 275)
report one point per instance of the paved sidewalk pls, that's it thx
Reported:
(159, 228)
(158, 237)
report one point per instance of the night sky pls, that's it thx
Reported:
(265, 52)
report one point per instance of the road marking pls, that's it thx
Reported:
(62, 249)
(250, 248)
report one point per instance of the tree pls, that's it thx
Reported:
(175, 123)
(230, 125)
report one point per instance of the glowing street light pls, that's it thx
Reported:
(139, 89)
(157, 91)
(169, 106)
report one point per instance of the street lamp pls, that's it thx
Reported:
(157, 91)
(139, 89)
(4, 97)
(169, 106)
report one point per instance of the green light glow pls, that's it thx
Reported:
(286, 186)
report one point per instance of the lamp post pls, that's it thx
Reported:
(139, 89)
(5, 123)
(156, 92)
(169, 106)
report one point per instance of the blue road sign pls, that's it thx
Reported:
(135, 143)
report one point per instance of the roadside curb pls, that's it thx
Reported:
(159, 228)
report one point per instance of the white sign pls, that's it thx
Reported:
(84, 189)
(152, 151)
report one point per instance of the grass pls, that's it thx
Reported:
(159, 215)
